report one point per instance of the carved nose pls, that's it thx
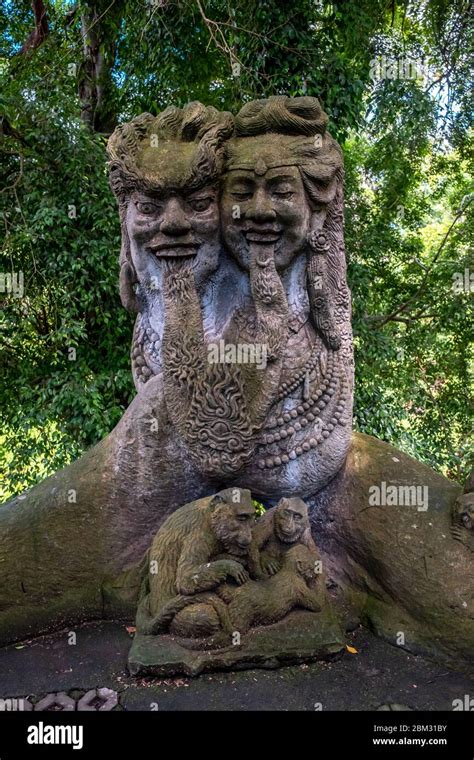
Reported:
(174, 220)
(261, 209)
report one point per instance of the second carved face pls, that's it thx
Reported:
(264, 202)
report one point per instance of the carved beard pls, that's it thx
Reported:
(219, 409)
(206, 402)
(227, 536)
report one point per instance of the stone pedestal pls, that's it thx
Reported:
(302, 637)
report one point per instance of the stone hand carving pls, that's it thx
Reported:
(229, 574)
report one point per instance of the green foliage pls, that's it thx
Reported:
(65, 344)
(259, 507)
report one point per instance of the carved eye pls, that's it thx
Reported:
(146, 207)
(200, 204)
(284, 194)
(243, 196)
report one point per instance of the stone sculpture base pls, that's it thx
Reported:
(301, 637)
(375, 555)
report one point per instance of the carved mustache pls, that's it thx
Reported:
(173, 245)
(262, 234)
(262, 230)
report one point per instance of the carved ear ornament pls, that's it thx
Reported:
(322, 310)
(318, 242)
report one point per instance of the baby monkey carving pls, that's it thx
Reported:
(268, 601)
(257, 603)
(276, 532)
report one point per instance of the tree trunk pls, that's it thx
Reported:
(100, 27)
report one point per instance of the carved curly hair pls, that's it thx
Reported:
(205, 126)
(311, 147)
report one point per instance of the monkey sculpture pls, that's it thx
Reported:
(263, 602)
(276, 532)
(183, 562)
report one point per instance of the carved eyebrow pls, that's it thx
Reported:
(149, 195)
(281, 178)
(204, 192)
(246, 179)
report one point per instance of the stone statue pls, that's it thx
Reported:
(233, 261)
(205, 585)
(197, 548)
(284, 172)
(283, 286)
(277, 531)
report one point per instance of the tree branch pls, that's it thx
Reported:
(41, 30)
(382, 320)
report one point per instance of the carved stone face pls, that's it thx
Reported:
(291, 519)
(171, 222)
(465, 510)
(233, 523)
(271, 201)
